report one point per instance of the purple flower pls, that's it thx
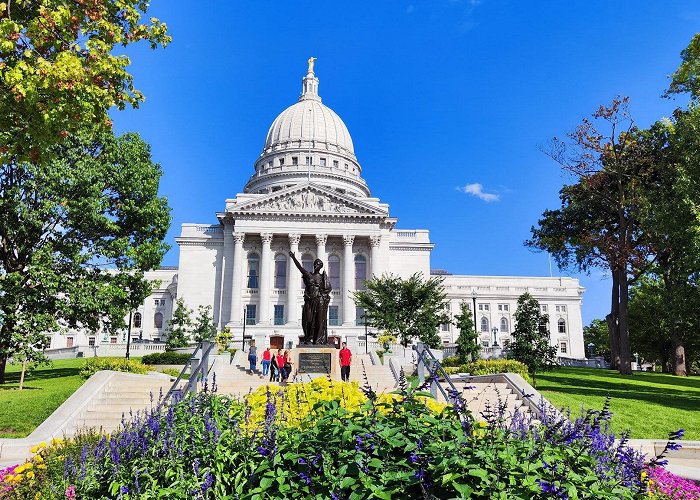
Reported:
(305, 478)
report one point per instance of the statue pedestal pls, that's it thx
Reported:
(313, 361)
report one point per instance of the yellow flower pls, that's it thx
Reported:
(17, 478)
(41, 466)
(38, 459)
(56, 441)
(34, 449)
(30, 475)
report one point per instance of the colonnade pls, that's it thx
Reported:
(236, 274)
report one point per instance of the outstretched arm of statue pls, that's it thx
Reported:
(299, 266)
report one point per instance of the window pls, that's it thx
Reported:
(158, 320)
(484, 343)
(561, 308)
(279, 314)
(483, 307)
(360, 272)
(113, 340)
(91, 341)
(445, 327)
(543, 308)
(562, 347)
(269, 164)
(506, 343)
(69, 341)
(334, 271)
(335, 163)
(359, 316)
(333, 319)
(484, 324)
(137, 320)
(281, 272)
(308, 160)
(323, 162)
(307, 262)
(295, 160)
(561, 326)
(253, 270)
(250, 314)
(503, 307)
(504, 325)
(281, 161)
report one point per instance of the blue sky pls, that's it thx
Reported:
(447, 101)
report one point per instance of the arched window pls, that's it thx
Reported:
(137, 320)
(253, 270)
(158, 320)
(334, 271)
(280, 271)
(504, 325)
(561, 325)
(360, 272)
(307, 262)
(484, 324)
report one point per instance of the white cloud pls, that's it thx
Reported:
(477, 190)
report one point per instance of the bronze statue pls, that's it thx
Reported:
(317, 295)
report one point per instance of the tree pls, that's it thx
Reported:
(598, 222)
(179, 326)
(468, 339)
(410, 309)
(59, 74)
(531, 337)
(77, 234)
(204, 328)
(596, 333)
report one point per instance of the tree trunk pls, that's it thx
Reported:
(612, 320)
(625, 366)
(3, 363)
(679, 365)
(21, 376)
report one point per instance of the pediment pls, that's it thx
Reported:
(309, 199)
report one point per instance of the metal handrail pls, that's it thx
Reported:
(200, 367)
(427, 359)
(188, 386)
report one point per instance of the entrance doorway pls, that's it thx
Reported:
(276, 342)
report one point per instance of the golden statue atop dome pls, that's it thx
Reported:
(311, 64)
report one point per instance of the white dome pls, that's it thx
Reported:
(308, 123)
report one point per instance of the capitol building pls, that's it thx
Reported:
(307, 195)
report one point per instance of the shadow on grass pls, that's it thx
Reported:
(618, 389)
(40, 374)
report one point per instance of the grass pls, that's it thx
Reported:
(45, 389)
(649, 404)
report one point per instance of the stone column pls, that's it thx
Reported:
(224, 316)
(237, 280)
(374, 241)
(266, 272)
(348, 281)
(293, 286)
(321, 249)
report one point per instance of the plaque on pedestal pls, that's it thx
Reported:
(316, 360)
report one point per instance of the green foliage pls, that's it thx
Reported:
(451, 361)
(531, 337)
(94, 205)
(223, 339)
(179, 326)
(412, 309)
(490, 367)
(380, 353)
(468, 339)
(59, 72)
(686, 79)
(93, 365)
(166, 358)
(203, 328)
(173, 372)
(596, 333)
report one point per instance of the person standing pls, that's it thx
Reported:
(252, 356)
(345, 359)
(287, 368)
(266, 357)
(279, 361)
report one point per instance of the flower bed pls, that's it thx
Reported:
(334, 440)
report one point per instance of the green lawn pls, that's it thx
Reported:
(650, 404)
(45, 389)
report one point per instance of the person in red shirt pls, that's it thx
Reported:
(280, 365)
(267, 356)
(345, 358)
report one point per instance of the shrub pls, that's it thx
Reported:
(450, 361)
(392, 447)
(491, 366)
(93, 365)
(166, 358)
(173, 372)
(380, 353)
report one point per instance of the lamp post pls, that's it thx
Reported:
(494, 330)
(245, 320)
(128, 335)
(474, 310)
(591, 351)
(636, 359)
